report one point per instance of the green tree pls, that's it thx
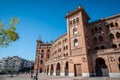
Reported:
(8, 34)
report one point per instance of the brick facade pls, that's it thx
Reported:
(87, 49)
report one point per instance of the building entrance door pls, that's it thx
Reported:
(78, 71)
(51, 71)
(40, 70)
(58, 69)
(66, 68)
(101, 67)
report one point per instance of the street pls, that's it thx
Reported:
(45, 77)
(15, 77)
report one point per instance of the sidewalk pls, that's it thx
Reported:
(46, 77)
(15, 77)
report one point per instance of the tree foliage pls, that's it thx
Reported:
(8, 34)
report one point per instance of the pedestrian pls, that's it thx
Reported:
(17, 73)
(31, 75)
(34, 77)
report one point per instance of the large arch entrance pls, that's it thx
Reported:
(51, 70)
(58, 69)
(66, 68)
(77, 69)
(101, 68)
(40, 70)
(47, 69)
(119, 63)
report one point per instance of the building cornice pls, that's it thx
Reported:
(76, 11)
(60, 37)
(104, 19)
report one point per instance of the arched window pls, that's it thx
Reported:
(96, 29)
(77, 19)
(70, 22)
(74, 30)
(92, 30)
(66, 47)
(111, 36)
(100, 28)
(116, 24)
(101, 68)
(111, 24)
(66, 54)
(114, 46)
(42, 50)
(41, 61)
(96, 48)
(100, 38)
(48, 50)
(102, 47)
(42, 55)
(75, 42)
(107, 26)
(73, 21)
(95, 40)
(118, 35)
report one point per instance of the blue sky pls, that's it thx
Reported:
(46, 18)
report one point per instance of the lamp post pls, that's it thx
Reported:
(39, 57)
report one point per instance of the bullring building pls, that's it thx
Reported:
(87, 49)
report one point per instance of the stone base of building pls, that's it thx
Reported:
(48, 73)
(92, 74)
(54, 74)
(114, 74)
(71, 74)
(85, 74)
(62, 74)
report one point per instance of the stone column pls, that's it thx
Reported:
(62, 72)
(54, 69)
(85, 67)
(71, 68)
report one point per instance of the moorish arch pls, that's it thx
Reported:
(51, 69)
(101, 67)
(66, 68)
(118, 35)
(47, 69)
(114, 33)
(111, 36)
(100, 38)
(114, 46)
(58, 69)
(119, 63)
(75, 42)
(97, 38)
(74, 31)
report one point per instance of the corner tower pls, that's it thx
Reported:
(78, 35)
